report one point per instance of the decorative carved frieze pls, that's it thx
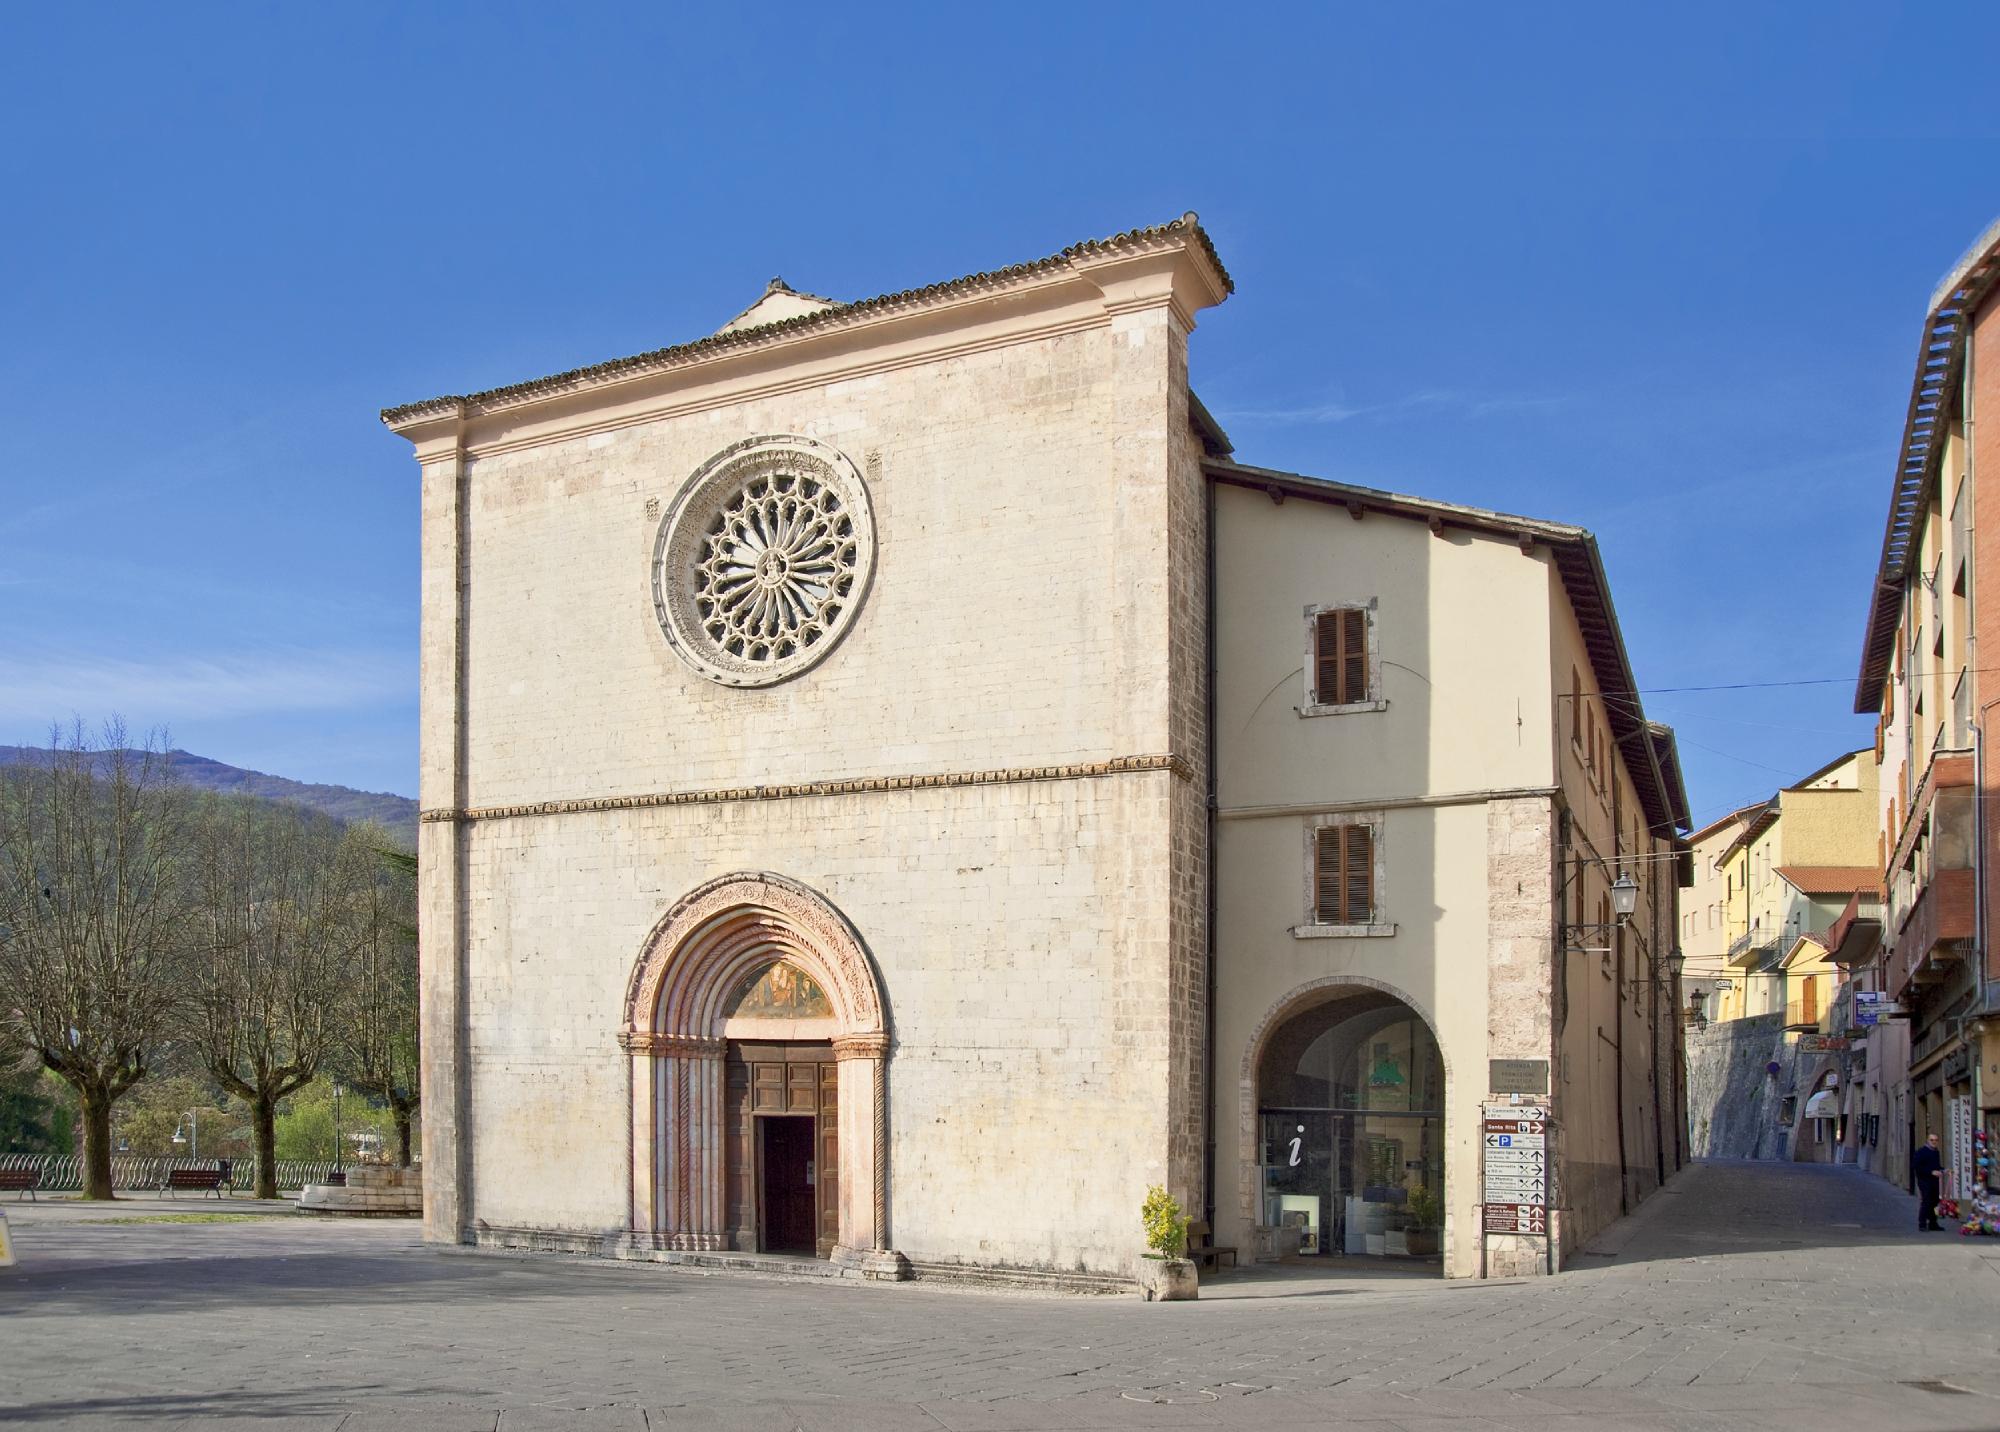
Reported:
(862, 785)
(860, 1046)
(679, 1046)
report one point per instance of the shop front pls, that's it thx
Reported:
(1351, 1097)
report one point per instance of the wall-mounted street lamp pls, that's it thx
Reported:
(1666, 969)
(1624, 901)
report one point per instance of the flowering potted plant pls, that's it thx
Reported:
(1166, 1273)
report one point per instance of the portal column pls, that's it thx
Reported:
(642, 1141)
(864, 1158)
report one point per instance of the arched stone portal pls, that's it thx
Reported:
(1341, 1122)
(681, 1014)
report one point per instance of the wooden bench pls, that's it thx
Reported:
(21, 1180)
(1203, 1250)
(207, 1179)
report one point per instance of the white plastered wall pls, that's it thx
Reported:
(1461, 623)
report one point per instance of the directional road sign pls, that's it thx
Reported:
(1516, 1218)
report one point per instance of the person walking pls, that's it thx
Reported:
(1926, 1166)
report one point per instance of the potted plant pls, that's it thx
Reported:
(1166, 1273)
(1426, 1211)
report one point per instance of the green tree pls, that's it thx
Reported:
(378, 1048)
(32, 1120)
(306, 1124)
(179, 1116)
(277, 928)
(92, 909)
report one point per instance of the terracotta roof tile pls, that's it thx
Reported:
(1831, 879)
(1188, 224)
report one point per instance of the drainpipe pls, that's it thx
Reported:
(1208, 1001)
(1653, 1047)
(1982, 903)
(1618, 1050)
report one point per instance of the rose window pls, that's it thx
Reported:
(763, 559)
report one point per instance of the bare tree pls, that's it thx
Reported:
(378, 1039)
(92, 907)
(275, 931)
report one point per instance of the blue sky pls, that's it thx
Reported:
(1654, 270)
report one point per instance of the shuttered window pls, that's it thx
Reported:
(1340, 657)
(1344, 875)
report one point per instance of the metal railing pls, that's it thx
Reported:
(64, 1172)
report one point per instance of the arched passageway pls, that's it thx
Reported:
(1349, 1137)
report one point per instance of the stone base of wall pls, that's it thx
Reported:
(372, 1191)
(872, 1266)
(1516, 1257)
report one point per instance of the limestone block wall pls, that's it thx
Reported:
(1017, 613)
(1520, 971)
(1018, 933)
(1029, 629)
(1732, 1097)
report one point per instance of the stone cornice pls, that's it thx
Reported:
(1182, 237)
(860, 785)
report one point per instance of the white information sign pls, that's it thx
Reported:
(1961, 1150)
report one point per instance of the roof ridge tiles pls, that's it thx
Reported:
(1187, 224)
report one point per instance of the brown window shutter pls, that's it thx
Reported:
(1326, 659)
(1358, 882)
(1354, 654)
(1326, 875)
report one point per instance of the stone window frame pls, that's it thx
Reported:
(1377, 928)
(1311, 705)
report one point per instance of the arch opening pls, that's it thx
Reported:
(759, 1078)
(1345, 1141)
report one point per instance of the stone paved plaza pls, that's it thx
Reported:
(1747, 1295)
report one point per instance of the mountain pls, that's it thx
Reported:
(396, 813)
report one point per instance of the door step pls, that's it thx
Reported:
(775, 1265)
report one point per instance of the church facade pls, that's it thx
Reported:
(895, 788)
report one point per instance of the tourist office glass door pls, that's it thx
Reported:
(1352, 1132)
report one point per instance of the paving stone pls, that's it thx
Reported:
(572, 1419)
(1754, 1295)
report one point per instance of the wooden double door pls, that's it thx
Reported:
(782, 1156)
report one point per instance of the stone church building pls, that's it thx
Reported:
(895, 786)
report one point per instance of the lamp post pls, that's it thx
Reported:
(193, 1117)
(336, 1130)
(1624, 902)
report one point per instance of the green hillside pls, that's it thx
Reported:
(396, 813)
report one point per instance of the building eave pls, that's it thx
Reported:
(1737, 816)
(1940, 361)
(1184, 230)
(1766, 816)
